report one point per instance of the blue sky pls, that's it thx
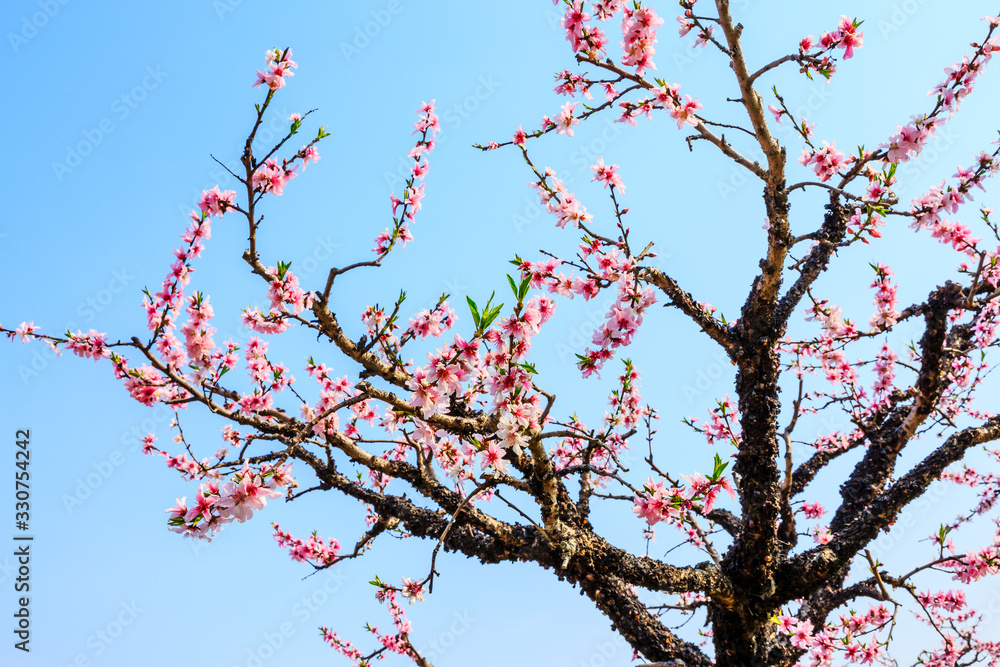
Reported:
(112, 115)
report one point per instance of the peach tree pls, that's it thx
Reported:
(467, 447)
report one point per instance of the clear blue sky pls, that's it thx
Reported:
(112, 112)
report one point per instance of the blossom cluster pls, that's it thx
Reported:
(857, 638)
(638, 29)
(312, 550)
(657, 501)
(491, 371)
(399, 642)
(584, 38)
(722, 425)
(826, 161)
(639, 34)
(217, 504)
(322, 416)
(560, 201)
(428, 126)
(278, 65)
(623, 318)
(197, 330)
(929, 208)
(626, 403)
(886, 314)
(867, 221)
(665, 97)
(813, 55)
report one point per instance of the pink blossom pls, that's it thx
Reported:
(639, 30)
(826, 161)
(25, 331)
(271, 177)
(214, 202)
(240, 499)
(684, 112)
(565, 120)
(278, 64)
(93, 344)
(412, 591)
(813, 510)
(849, 37)
(607, 174)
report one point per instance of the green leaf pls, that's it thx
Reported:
(720, 468)
(475, 311)
(513, 285)
(491, 315)
(522, 289)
